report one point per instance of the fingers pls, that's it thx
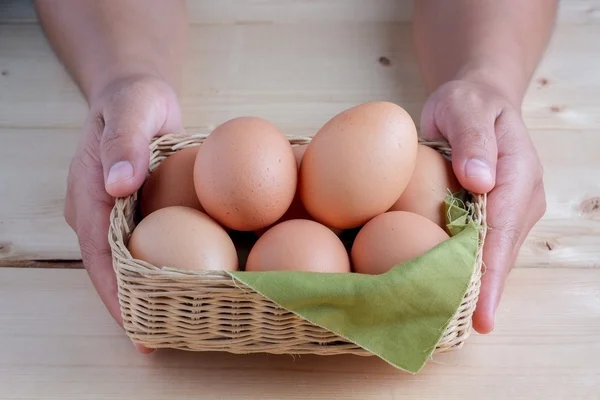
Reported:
(133, 116)
(87, 211)
(491, 153)
(112, 161)
(468, 123)
(514, 206)
(96, 255)
(97, 258)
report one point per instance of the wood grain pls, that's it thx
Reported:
(58, 342)
(299, 11)
(298, 76)
(569, 233)
(297, 63)
(33, 182)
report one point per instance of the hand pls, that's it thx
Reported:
(112, 161)
(491, 153)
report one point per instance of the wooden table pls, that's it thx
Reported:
(297, 63)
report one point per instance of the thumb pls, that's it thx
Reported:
(470, 131)
(124, 146)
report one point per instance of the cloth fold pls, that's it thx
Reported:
(400, 315)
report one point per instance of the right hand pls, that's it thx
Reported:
(112, 161)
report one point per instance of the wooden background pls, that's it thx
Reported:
(297, 63)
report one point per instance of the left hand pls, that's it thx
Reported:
(492, 153)
(112, 161)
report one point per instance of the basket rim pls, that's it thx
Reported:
(175, 142)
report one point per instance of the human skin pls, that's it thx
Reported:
(477, 58)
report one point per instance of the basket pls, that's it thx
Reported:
(210, 311)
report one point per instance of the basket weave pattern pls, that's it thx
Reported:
(209, 311)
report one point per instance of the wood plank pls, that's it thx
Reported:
(34, 182)
(57, 341)
(300, 11)
(569, 233)
(33, 186)
(295, 75)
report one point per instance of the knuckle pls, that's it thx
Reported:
(509, 144)
(543, 207)
(94, 126)
(83, 176)
(540, 172)
(469, 115)
(114, 141)
(112, 138)
(508, 236)
(542, 203)
(89, 252)
(86, 244)
(91, 249)
(68, 212)
(477, 138)
(511, 133)
(506, 226)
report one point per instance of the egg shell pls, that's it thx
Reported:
(393, 238)
(358, 164)
(299, 245)
(296, 209)
(171, 183)
(246, 174)
(183, 238)
(432, 180)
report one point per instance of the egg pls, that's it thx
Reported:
(245, 174)
(299, 245)
(358, 164)
(392, 238)
(171, 183)
(183, 238)
(296, 209)
(432, 180)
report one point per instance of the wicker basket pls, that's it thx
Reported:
(209, 311)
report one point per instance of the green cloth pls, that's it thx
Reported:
(400, 315)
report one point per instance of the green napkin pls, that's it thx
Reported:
(398, 316)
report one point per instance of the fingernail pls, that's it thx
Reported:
(477, 168)
(121, 171)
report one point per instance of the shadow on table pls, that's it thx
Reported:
(276, 374)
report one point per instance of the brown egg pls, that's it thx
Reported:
(432, 180)
(299, 245)
(358, 164)
(246, 174)
(183, 238)
(296, 210)
(392, 238)
(171, 183)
